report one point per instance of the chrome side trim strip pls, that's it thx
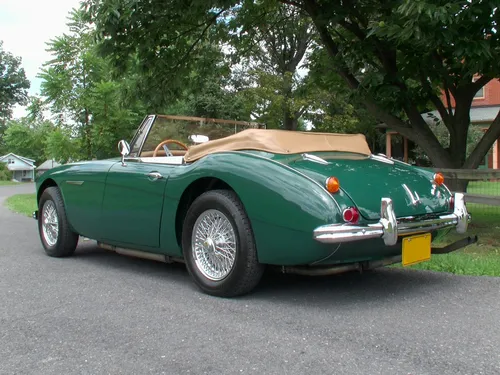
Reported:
(314, 158)
(75, 182)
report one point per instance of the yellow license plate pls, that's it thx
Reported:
(416, 249)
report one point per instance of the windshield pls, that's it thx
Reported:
(188, 131)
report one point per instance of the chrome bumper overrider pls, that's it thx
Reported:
(389, 228)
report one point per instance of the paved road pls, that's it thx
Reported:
(102, 313)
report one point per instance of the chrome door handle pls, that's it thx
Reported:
(155, 175)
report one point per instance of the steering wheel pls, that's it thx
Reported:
(167, 151)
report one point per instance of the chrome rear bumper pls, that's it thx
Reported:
(389, 227)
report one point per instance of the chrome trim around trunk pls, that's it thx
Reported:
(389, 227)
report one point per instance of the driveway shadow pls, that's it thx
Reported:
(379, 285)
(89, 252)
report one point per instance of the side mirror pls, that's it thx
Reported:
(124, 149)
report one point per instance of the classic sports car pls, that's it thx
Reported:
(310, 203)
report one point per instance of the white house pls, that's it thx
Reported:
(46, 165)
(23, 169)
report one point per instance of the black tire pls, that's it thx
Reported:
(66, 240)
(246, 271)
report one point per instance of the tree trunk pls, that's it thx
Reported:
(414, 128)
(456, 184)
(289, 121)
(88, 135)
(459, 129)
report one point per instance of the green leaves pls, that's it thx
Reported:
(61, 146)
(13, 83)
(94, 108)
(5, 174)
(26, 138)
(459, 36)
(241, 59)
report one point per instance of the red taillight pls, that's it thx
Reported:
(351, 215)
(452, 203)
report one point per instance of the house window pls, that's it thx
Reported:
(480, 93)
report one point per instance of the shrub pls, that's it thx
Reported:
(5, 174)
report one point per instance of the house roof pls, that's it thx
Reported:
(48, 164)
(29, 162)
(484, 114)
(477, 114)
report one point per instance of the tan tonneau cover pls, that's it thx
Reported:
(281, 142)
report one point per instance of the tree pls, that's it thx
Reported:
(94, 109)
(67, 79)
(13, 83)
(5, 173)
(26, 138)
(336, 108)
(38, 138)
(13, 88)
(399, 55)
(272, 42)
(59, 145)
(395, 55)
(209, 90)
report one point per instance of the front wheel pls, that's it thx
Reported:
(218, 244)
(55, 233)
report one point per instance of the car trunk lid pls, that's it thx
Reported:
(367, 180)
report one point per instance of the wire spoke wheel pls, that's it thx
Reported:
(57, 237)
(50, 223)
(218, 245)
(214, 244)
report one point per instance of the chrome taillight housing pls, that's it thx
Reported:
(351, 215)
(451, 203)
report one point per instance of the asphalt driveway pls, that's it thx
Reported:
(102, 313)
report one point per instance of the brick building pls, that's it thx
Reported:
(484, 109)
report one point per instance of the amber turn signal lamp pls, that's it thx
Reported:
(439, 179)
(332, 184)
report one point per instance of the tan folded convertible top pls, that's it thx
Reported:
(281, 142)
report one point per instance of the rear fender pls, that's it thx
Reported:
(283, 205)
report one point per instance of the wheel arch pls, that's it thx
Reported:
(283, 205)
(49, 182)
(193, 191)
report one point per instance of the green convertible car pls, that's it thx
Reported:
(229, 198)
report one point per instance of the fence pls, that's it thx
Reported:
(483, 189)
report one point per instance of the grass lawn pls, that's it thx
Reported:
(482, 258)
(5, 183)
(484, 187)
(24, 204)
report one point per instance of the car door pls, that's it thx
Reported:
(133, 203)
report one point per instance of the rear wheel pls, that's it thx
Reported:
(219, 248)
(57, 238)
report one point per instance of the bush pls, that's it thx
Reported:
(439, 129)
(5, 174)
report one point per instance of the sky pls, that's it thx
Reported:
(25, 27)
